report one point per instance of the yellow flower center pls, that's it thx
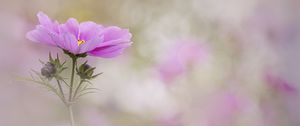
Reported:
(79, 42)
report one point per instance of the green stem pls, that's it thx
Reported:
(74, 59)
(77, 89)
(71, 115)
(61, 91)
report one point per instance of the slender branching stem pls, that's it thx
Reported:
(74, 63)
(74, 60)
(61, 91)
(71, 115)
(77, 89)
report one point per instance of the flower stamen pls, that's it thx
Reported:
(79, 42)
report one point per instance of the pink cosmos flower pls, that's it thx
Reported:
(278, 84)
(79, 38)
(221, 108)
(181, 55)
(283, 102)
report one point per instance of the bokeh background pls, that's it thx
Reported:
(192, 63)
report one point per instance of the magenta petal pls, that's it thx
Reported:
(69, 43)
(42, 35)
(71, 26)
(116, 33)
(47, 22)
(88, 30)
(115, 41)
(44, 20)
(109, 51)
(46, 32)
(90, 45)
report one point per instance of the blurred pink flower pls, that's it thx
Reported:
(220, 109)
(170, 120)
(278, 84)
(78, 38)
(284, 106)
(179, 57)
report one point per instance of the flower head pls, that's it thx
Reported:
(81, 38)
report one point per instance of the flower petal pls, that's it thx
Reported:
(109, 51)
(47, 22)
(71, 26)
(44, 19)
(42, 35)
(69, 43)
(114, 33)
(88, 30)
(115, 41)
(47, 32)
(90, 45)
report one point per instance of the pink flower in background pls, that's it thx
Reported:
(221, 109)
(284, 105)
(278, 84)
(170, 119)
(180, 56)
(78, 38)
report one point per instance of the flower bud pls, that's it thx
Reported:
(85, 67)
(85, 71)
(48, 70)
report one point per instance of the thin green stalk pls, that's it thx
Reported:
(72, 78)
(74, 62)
(61, 91)
(71, 115)
(77, 89)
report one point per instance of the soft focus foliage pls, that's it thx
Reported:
(192, 63)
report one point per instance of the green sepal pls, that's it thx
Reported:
(74, 56)
(86, 72)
